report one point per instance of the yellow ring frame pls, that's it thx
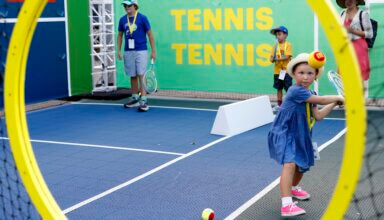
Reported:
(25, 159)
(15, 110)
(355, 109)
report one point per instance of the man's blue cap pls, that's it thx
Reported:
(280, 28)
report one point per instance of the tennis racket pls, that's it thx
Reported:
(150, 81)
(275, 51)
(336, 81)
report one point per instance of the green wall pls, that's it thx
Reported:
(376, 54)
(239, 39)
(79, 46)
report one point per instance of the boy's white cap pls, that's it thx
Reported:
(130, 2)
(301, 58)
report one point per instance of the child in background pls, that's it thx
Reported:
(281, 55)
(290, 138)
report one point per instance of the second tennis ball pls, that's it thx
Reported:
(208, 214)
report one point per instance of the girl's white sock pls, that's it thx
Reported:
(286, 201)
(295, 187)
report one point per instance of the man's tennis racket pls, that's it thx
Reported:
(150, 81)
(336, 81)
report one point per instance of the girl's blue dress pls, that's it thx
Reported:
(290, 139)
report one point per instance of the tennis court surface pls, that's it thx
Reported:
(102, 161)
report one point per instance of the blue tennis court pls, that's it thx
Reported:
(102, 161)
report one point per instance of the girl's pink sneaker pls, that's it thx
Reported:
(300, 194)
(291, 210)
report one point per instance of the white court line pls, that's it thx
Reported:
(169, 107)
(276, 182)
(172, 98)
(102, 146)
(335, 119)
(184, 108)
(14, 20)
(326, 144)
(152, 106)
(129, 182)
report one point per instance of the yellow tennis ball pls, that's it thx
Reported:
(316, 59)
(208, 214)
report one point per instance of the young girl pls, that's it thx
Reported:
(290, 140)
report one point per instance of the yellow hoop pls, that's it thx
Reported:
(355, 109)
(26, 162)
(15, 110)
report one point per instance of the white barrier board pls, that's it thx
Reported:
(243, 116)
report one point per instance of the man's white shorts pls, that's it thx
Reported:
(135, 62)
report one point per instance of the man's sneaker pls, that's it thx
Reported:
(291, 210)
(300, 194)
(143, 107)
(131, 103)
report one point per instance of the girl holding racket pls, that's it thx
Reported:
(290, 138)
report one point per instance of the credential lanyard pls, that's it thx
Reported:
(278, 48)
(131, 25)
(310, 123)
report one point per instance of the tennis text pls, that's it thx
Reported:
(222, 54)
(222, 19)
(230, 21)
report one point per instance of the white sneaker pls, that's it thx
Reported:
(276, 109)
(143, 107)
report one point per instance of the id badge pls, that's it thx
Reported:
(316, 153)
(282, 74)
(131, 43)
